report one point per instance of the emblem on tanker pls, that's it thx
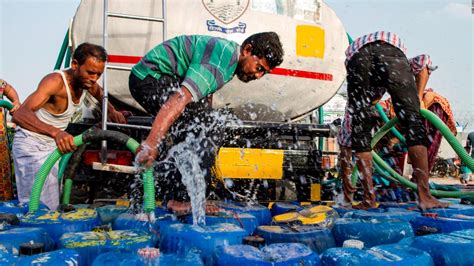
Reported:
(226, 11)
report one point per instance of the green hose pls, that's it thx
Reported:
(67, 191)
(131, 144)
(382, 167)
(63, 164)
(450, 138)
(385, 119)
(148, 181)
(42, 174)
(6, 104)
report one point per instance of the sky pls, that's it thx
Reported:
(32, 31)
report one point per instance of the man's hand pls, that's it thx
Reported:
(16, 105)
(65, 142)
(146, 154)
(116, 117)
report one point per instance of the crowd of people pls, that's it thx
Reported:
(175, 81)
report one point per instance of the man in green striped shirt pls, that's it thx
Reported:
(190, 68)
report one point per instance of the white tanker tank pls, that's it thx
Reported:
(313, 38)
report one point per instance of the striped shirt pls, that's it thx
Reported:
(419, 62)
(203, 64)
(383, 36)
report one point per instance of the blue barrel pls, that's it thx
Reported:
(259, 211)
(7, 258)
(129, 221)
(377, 256)
(160, 211)
(455, 248)
(344, 212)
(403, 205)
(454, 209)
(313, 236)
(372, 232)
(109, 213)
(62, 257)
(57, 223)
(287, 254)
(181, 238)
(118, 259)
(248, 222)
(15, 207)
(91, 244)
(441, 224)
(190, 259)
(132, 259)
(386, 213)
(10, 240)
(283, 207)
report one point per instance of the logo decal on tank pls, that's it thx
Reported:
(212, 26)
(226, 11)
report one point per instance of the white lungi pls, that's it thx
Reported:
(29, 154)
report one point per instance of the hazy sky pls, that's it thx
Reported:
(32, 31)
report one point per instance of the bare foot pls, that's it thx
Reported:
(430, 203)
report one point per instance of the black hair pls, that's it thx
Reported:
(266, 45)
(86, 50)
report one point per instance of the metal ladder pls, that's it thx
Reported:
(105, 99)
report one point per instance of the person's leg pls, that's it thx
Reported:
(28, 156)
(361, 92)
(402, 88)
(345, 172)
(364, 164)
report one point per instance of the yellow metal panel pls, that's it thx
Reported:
(310, 41)
(315, 192)
(249, 163)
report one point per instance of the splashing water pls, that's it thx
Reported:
(188, 161)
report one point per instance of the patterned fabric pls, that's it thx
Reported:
(6, 187)
(383, 36)
(3, 85)
(419, 62)
(29, 155)
(344, 134)
(203, 64)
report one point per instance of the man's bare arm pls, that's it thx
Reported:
(167, 115)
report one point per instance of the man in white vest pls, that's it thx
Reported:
(45, 114)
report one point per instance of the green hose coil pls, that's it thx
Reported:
(40, 178)
(42, 174)
(382, 167)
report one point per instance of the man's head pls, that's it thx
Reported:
(259, 54)
(88, 63)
